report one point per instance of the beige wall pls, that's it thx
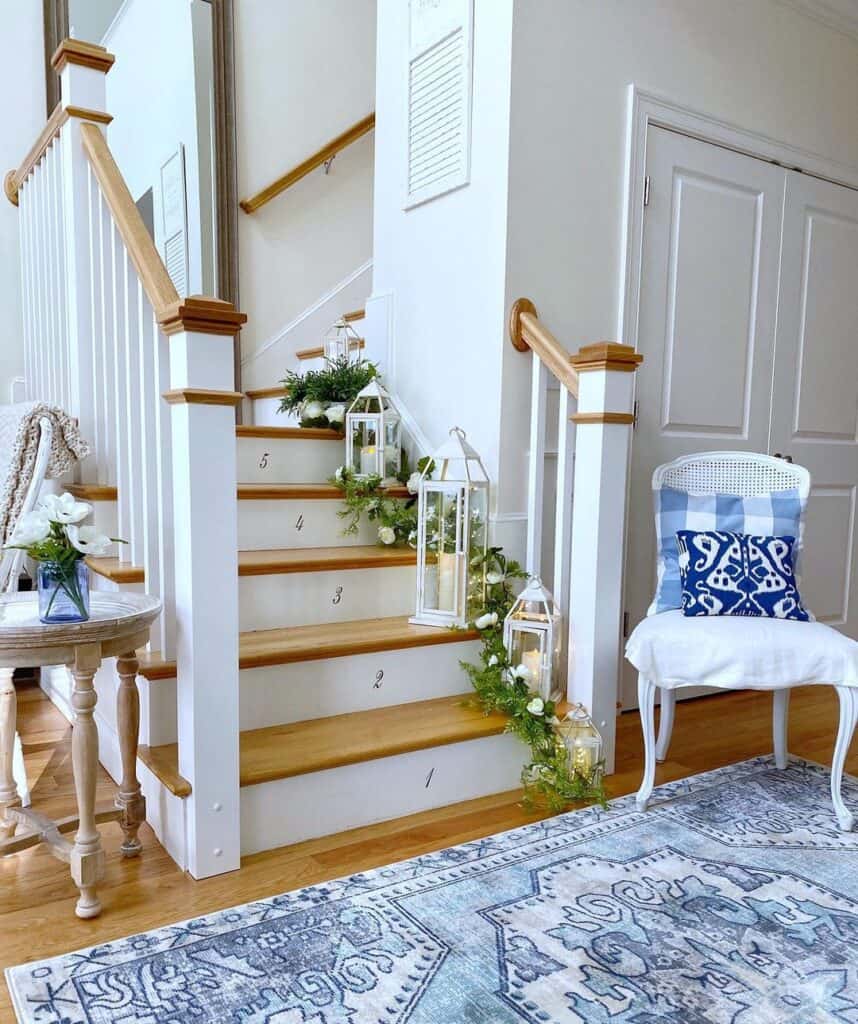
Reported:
(304, 73)
(22, 82)
(756, 63)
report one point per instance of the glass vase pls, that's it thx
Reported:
(63, 592)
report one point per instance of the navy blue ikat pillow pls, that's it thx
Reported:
(738, 574)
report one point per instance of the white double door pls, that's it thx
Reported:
(748, 324)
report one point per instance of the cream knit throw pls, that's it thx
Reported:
(19, 443)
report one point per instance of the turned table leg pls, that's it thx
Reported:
(87, 856)
(130, 799)
(8, 790)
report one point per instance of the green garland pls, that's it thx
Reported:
(335, 386)
(547, 778)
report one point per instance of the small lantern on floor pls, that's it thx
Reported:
(342, 342)
(583, 744)
(531, 635)
(373, 434)
(451, 536)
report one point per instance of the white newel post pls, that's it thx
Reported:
(603, 435)
(82, 68)
(206, 559)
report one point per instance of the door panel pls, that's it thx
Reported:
(815, 392)
(708, 298)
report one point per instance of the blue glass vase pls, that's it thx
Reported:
(63, 592)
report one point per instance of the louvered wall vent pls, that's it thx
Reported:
(439, 109)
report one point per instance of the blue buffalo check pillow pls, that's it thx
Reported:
(778, 514)
(738, 574)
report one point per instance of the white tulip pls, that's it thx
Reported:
(536, 706)
(522, 672)
(486, 620)
(493, 578)
(63, 508)
(88, 540)
(340, 473)
(30, 529)
(312, 411)
(493, 660)
(386, 534)
(413, 484)
(335, 414)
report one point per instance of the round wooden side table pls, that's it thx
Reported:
(117, 627)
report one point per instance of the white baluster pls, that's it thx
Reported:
(93, 467)
(108, 341)
(536, 465)
(68, 392)
(164, 511)
(26, 283)
(132, 426)
(120, 355)
(563, 502)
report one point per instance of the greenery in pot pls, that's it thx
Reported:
(321, 398)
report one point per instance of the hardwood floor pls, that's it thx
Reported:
(37, 896)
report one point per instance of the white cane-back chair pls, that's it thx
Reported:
(12, 560)
(671, 650)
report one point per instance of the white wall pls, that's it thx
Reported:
(304, 73)
(22, 82)
(757, 63)
(445, 261)
(154, 103)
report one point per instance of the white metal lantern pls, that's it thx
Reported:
(452, 525)
(373, 434)
(531, 635)
(342, 342)
(583, 744)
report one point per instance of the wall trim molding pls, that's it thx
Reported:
(839, 15)
(307, 313)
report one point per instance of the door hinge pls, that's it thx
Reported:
(646, 191)
(625, 625)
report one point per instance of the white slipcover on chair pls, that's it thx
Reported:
(670, 650)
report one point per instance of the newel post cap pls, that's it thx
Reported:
(607, 355)
(201, 314)
(86, 55)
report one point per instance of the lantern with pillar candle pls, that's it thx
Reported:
(452, 524)
(531, 634)
(583, 744)
(373, 434)
(342, 342)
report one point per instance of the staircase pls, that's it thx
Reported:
(348, 713)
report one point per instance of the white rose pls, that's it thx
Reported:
(386, 535)
(536, 706)
(493, 578)
(522, 672)
(30, 529)
(312, 411)
(413, 484)
(88, 540)
(63, 508)
(335, 414)
(340, 473)
(487, 620)
(493, 660)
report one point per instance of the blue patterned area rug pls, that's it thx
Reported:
(734, 900)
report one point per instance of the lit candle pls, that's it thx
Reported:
(532, 661)
(367, 460)
(582, 758)
(447, 582)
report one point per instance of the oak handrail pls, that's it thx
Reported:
(320, 157)
(150, 268)
(528, 332)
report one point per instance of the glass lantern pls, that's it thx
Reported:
(342, 342)
(452, 521)
(531, 635)
(373, 434)
(583, 744)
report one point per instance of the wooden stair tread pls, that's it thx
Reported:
(357, 556)
(298, 748)
(284, 646)
(92, 492)
(320, 492)
(163, 762)
(278, 561)
(289, 433)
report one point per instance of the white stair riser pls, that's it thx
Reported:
(266, 460)
(292, 810)
(298, 692)
(295, 523)
(265, 414)
(311, 598)
(305, 690)
(105, 517)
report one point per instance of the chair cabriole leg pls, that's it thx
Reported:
(665, 724)
(848, 715)
(646, 702)
(8, 790)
